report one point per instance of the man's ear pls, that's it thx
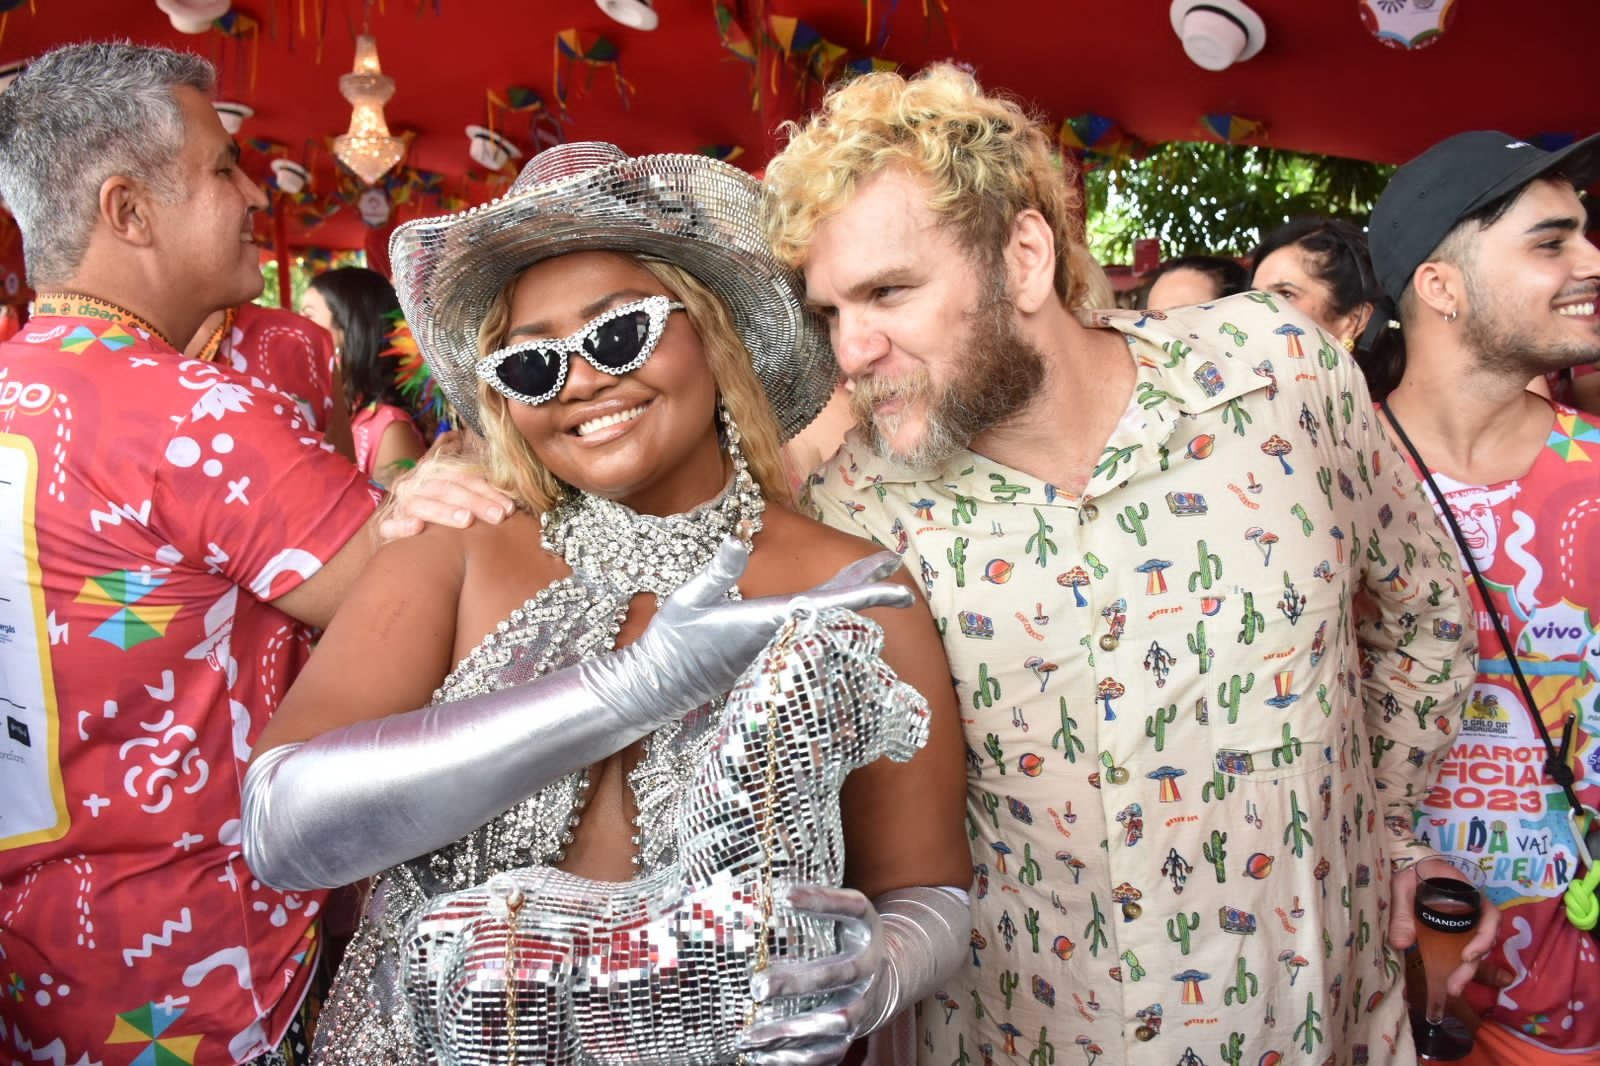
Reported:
(125, 210)
(1030, 258)
(1439, 286)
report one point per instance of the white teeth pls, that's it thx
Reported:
(1583, 310)
(596, 424)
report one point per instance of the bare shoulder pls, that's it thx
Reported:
(794, 552)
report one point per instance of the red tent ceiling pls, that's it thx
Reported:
(1323, 82)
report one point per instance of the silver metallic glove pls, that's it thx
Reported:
(361, 798)
(897, 949)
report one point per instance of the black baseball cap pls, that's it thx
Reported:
(1429, 195)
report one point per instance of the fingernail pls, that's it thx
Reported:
(461, 516)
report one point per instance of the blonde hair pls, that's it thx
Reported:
(511, 465)
(984, 158)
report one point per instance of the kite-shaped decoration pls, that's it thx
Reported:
(805, 48)
(1233, 129)
(1096, 139)
(735, 40)
(869, 65)
(594, 51)
(1407, 24)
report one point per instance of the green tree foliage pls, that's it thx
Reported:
(1199, 198)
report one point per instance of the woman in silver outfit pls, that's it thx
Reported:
(608, 827)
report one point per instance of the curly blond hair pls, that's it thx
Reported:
(511, 465)
(984, 158)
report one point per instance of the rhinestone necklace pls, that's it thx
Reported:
(632, 553)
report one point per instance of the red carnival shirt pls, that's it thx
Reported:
(1492, 803)
(288, 351)
(149, 505)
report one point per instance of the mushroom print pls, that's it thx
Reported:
(1075, 579)
(1041, 670)
(1128, 897)
(1109, 689)
(1277, 446)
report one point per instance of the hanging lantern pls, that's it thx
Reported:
(368, 149)
(1407, 24)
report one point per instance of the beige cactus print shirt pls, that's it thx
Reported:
(1188, 776)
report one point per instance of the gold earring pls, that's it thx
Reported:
(1349, 344)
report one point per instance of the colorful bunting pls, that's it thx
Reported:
(236, 26)
(8, 6)
(805, 48)
(1232, 129)
(869, 65)
(1096, 140)
(733, 36)
(593, 50)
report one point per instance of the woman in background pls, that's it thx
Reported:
(1322, 267)
(359, 307)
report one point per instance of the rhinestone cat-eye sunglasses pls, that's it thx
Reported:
(615, 342)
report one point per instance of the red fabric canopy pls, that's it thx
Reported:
(1323, 82)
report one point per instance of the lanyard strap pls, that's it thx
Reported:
(1556, 763)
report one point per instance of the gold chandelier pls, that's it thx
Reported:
(368, 148)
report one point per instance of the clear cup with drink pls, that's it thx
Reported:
(1448, 902)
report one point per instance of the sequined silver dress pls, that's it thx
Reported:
(671, 993)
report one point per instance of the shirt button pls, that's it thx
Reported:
(1090, 512)
(1117, 775)
(1108, 642)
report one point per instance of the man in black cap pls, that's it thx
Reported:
(1480, 243)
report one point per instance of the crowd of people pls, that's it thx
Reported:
(657, 723)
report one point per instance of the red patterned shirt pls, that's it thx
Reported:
(288, 351)
(1492, 803)
(150, 507)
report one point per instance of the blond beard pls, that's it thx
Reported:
(995, 376)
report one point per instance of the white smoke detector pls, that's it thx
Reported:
(635, 14)
(1218, 33)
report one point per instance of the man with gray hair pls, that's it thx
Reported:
(169, 532)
